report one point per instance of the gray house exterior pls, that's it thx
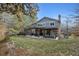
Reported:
(46, 27)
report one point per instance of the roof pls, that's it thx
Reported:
(44, 18)
(43, 28)
(52, 19)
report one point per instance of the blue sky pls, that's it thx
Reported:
(53, 9)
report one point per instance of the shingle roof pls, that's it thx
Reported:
(46, 18)
(52, 19)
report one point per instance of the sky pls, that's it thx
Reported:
(52, 10)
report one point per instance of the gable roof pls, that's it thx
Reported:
(47, 18)
(44, 18)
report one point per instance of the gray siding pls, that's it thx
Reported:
(46, 23)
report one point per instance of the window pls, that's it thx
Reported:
(39, 24)
(51, 24)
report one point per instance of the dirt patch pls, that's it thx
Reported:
(9, 49)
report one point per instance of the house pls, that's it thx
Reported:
(46, 27)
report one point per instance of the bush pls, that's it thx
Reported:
(72, 36)
(3, 31)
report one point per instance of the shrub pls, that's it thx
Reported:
(3, 31)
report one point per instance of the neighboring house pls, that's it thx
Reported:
(46, 27)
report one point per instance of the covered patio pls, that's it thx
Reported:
(49, 32)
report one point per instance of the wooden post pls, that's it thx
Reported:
(43, 32)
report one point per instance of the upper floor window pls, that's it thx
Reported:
(39, 24)
(52, 24)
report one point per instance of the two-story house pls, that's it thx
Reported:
(46, 27)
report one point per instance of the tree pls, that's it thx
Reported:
(31, 13)
(76, 17)
(13, 15)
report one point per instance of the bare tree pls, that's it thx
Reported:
(19, 9)
(76, 17)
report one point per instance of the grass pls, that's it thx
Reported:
(65, 47)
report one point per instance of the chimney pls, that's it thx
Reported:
(59, 30)
(59, 18)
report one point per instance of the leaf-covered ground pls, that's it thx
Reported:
(47, 47)
(21, 45)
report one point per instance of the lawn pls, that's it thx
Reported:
(67, 47)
